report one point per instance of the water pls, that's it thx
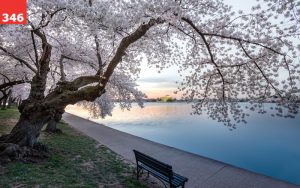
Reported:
(266, 145)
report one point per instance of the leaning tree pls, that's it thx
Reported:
(91, 51)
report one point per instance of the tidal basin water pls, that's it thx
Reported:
(266, 145)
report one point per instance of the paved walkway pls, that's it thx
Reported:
(202, 172)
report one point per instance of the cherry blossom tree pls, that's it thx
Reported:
(90, 52)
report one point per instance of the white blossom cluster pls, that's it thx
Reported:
(120, 90)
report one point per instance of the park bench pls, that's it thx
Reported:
(158, 169)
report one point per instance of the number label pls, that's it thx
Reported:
(13, 11)
(14, 18)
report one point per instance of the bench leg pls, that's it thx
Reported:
(137, 172)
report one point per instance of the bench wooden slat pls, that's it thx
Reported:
(158, 169)
(176, 180)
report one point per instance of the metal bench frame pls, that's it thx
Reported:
(158, 169)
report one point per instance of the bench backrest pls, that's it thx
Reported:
(158, 166)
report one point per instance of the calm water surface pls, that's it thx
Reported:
(266, 145)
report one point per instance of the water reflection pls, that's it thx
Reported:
(267, 145)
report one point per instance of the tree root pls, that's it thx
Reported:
(10, 152)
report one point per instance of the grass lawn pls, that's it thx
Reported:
(75, 161)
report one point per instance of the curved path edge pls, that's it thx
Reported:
(201, 171)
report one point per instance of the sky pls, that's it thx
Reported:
(155, 84)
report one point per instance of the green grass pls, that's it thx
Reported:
(9, 113)
(8, 118)
(75, 161)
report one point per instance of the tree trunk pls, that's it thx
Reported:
(9, 102)
(28, 128)
(52, 124)
(21, 144)
(1, 103)
(4, 102)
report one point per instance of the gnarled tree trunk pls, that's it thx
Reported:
(34, 113)
(21, 144)
(52, 124)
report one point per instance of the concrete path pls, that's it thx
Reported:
(202, 172)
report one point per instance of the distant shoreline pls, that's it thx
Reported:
(187, 101)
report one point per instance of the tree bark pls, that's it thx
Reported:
(52, 124)
(29, 126)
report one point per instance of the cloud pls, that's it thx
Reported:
(156, 83)
(154, 79)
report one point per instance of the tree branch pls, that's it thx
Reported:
(137, 34)
(5, 76)
(51, 15)
(260, 70)
(243, 40)
(209, 51)
(12, 83)
(61, 66)
(98, 55)
(18, 59)
(35, 51)
(90, 93)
